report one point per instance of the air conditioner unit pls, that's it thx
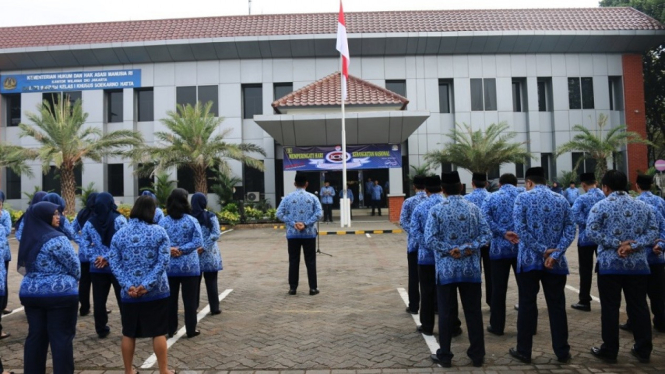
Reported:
(253, 196)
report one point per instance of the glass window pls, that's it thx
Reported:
(185, 95)
(574, 95)
(143, 182)
(476, 94)
(51, 180)
(446, 167)
(519, 170)
(542, 96)
(116, 179)
(210, 93)
(616, 93)
(54, 97)
(186, 179)
(490, 93)
(252, 100)
(254, 180)
(281, 89)
(576, 158)
(587, 93)
(494, 174)
(145, 104)
(444, 97)
(13, 105)
(517, 96)
(114, 106)
(397, 86)
(13, 187)
(546, 163)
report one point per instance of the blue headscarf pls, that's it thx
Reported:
(103, 217)
(148, 193)
(36, 198)
(38, 220)
(86, 212)
(57, 200)
(199, 204)
(2, 196)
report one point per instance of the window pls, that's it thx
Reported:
(186, 179)
(51, 180)
(494, 174)
(145, 104)
(210, 94)
(281, 89)
(587, 93)
(519, 95)
(13, 186)
(116, 179)
(252, 100)
(544, 94)
(13, 109)
(585, 166)
(616, 93)
(113, 106)
(254, 180)
(143, 181)
(483, 94)
(547, 162)
(185, 95)
(445, 96)
(580, 95)
(54, 97)
(446, 167)
(397, 86)
(519, 170)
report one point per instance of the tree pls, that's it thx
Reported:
(192, 142)
(224, 186)
(480, 151)
(598, 147)
(64, 142)
(162, 188)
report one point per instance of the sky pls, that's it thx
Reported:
(42, 12)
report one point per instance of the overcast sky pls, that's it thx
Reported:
(40, 12)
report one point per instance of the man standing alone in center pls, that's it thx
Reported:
(377, 193)
(327, 194)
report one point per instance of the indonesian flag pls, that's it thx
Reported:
(343, 48)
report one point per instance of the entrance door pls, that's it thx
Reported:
(382, 176)
(336, 181)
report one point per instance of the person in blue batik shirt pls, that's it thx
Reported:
(498, 211)
(478, 197)
(350, 196)
(139, 255)
(5, 252)
(455, 231)
(327, 195)
(209, 256)
(426, 262)
(184, 268)
(623, 228)
(36, 198)
(97, 234)
(369, 185)
(300, 210)
(585, 248)
(656, 279)
(159, 213)
(571, 193)
(377, 194)
(65, 225)
(49, 290)
(84, 256)
(544, 225)
(408, 207)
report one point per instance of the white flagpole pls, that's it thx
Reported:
(345, 220)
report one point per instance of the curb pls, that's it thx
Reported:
(361, 232)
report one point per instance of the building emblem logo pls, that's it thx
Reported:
(9, 83)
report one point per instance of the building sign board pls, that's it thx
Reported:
(372, 156)
(70, 81)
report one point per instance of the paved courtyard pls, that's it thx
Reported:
(356, 325)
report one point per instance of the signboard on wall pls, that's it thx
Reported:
(70, 81)
(372, 156)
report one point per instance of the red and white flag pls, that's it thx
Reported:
(343, 48)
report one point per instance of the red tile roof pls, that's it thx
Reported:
(326, 23)
(326, 92)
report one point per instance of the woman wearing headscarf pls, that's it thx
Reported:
(139, 255)
(209, 256)
(5, 253)
(36, 198)
(84, 256)
(159, 213)
(65, 225)
(49, 290)
(184, 270)
(97, 234)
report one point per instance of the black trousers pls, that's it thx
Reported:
(51, 321)
(210, 278)
(655, 290)
(470, 294)
(427, 277)
(500, 275)
(84, 288)
(327, 212)
(101, 285)
(5, 299)
(585, 256)
(376, 204)
(309, 250)
(609, 288)
(190, 291)
(414, 291)
(487, 270)
(527, 316)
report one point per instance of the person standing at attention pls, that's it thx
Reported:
(571, 193)
(477, 197)
(84, 256)
(327, 194)
(349, 195)
(408, 207)
(300, 210)
(377, 193)
(368, 191)
(209, 256)
(5, 252)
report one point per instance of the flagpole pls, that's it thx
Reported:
(345, 221)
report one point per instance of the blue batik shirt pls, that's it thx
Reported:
(571, 194)
(581, 209)
(19, 231)
(5, 230)
(498, 211)
(65, 226)
(56, 271)
(139, 256)
(543, 220)
(349, 195)
(159, 214)
(377, 192)
(408, 207)
(211, 259)
(456, 223)
(477, 197)
(616, 219)
(417, 226)
(653, 200)
(84, 255)
(300, 206)
(653, 258)
(95, 247)
(184, 233)
(327, 194)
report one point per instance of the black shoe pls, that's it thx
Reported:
(513, 352)
(171, 334)
(435, 359)
(457, 332)
(564, 360)
(626, 326)
(581, 306)
(313, 292)
(517, 307)
(408, 310)
(6, 311)
(598, 353)
(104, 334)
(216, 312)
(478, 363)
(195, 333)
(292, 292)
(421, 330)
(84, 313)
(491, 330)
(643, 360)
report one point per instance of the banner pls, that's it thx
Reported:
(71, 81)
(373, 156)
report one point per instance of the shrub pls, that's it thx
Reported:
(252, 213)
(272, 214)
(228, 217)
(230, 207)
(14, 214)
(125, 209)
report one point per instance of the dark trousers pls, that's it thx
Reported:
(655, 290)
(500, 275)
(527, 316)
(609, 288)
(309, 250)
(210, 278)
(101, 285)
(190, 291)
(327, 212)
(84, 288)
(427, 277)
(376, 204)
(470, 294)
(414, 291)
(585, 255)
(5, 299)
(487, 270)
(51, 320)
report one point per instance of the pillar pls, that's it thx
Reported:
(396, 195)
(633, 86)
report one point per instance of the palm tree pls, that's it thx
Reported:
(162, 188)
(598, 147)
(65, 142)
(191, 142)
(478, 151)
(224, 186)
